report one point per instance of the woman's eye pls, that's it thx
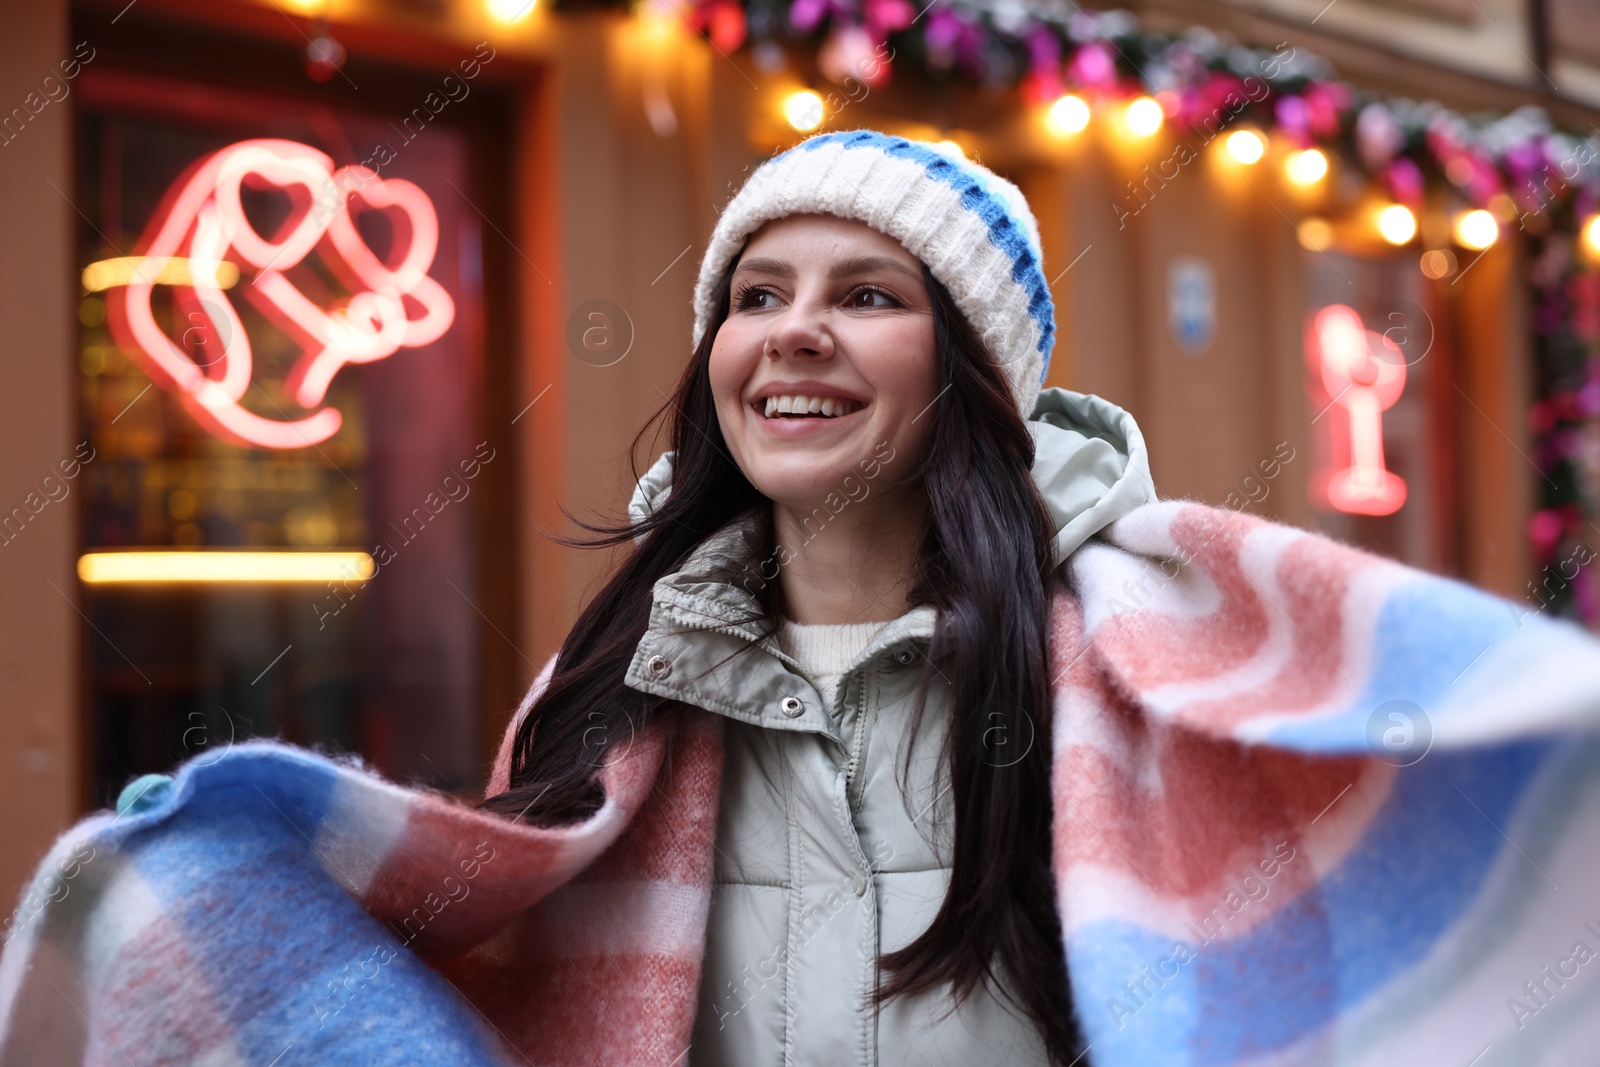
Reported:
(750, 296)
(879, 294)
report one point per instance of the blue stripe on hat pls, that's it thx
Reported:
(1004, 233)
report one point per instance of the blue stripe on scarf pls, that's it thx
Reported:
(285, 952)
(1416, 659)
(1418, 869)
(1004, 233)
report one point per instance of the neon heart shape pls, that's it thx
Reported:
(202, 220)
(300, 174)
(388, 287)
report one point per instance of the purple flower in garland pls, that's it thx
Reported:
(1191, 108)
(1044, 47)
(1589, 399)
(1294, 118)
(952, 39)
(1529, 194)
(1325, 103)
(1523, 160)
(1485, 181)
(1093, 66)
(1405, 181)
(886, 16)
(807, 15)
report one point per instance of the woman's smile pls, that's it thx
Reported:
(803, 406)
(791, 409)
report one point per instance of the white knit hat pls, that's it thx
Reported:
(971, 227)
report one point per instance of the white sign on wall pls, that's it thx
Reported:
(1192, 303)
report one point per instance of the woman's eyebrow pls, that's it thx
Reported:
(842, 269)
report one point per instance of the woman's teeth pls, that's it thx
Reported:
(827, 407)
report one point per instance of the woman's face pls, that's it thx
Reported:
(826, 361)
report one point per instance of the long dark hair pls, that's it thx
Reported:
(984, 564)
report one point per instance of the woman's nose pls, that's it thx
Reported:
(801, 329)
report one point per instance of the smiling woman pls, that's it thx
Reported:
(864, 302)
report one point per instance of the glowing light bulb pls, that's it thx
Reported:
(509, 11)
(1591, 236)
(1067, 116)
(1397, 224)
(1476, 230)
(658, 28)
(1307, 167)
(1246, 146)
(1143, 117)
(803, 110)
(1315, 235)
(1438, 263)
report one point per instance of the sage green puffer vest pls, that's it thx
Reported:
(822, 860)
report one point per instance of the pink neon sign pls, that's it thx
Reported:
(394, 303)
(1363, 372)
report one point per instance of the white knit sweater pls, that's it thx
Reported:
(826, 650)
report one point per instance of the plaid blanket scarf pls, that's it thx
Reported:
(1311, 806)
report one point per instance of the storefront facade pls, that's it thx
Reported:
(422, 299)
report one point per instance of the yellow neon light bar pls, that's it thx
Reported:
(224, 566)
(157, 270)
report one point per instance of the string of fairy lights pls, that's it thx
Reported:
(1075, 67)
(1143, 117)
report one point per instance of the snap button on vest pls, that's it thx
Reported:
(659, 667)
(904, 656)
(792, 706)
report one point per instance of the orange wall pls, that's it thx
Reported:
(39, 626)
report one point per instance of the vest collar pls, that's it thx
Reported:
(704, 613)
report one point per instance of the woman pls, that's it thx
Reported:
(847, 554)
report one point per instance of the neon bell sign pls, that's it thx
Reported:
(202, 224)
(1364, 372)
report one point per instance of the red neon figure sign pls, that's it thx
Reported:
(393, 304)
(1363, 372)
